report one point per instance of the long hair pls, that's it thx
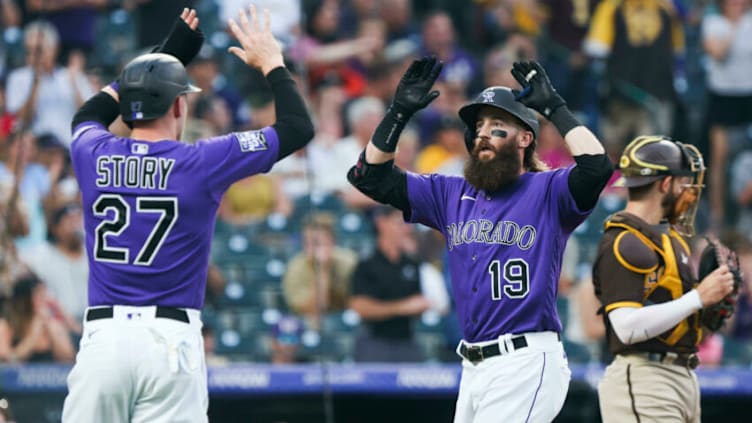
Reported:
(531, 162)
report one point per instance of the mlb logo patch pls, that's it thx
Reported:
(140, 149)
(136, 110)
(251, 141)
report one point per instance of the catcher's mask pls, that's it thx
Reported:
(650, 158)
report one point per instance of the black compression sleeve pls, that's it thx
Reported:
(564, 120)
(387, 134)
(100, 108)
(588, 178)
(294, 127)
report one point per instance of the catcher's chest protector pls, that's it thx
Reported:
(664, 282)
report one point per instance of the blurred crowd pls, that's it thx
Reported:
(304, 267)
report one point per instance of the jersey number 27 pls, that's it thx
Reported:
(166, 207)
(512, 279)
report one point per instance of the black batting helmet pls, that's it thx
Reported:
(149, 84)
(500, 98)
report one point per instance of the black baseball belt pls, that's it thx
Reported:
(475, 353)
(162, 312)
(688, 360)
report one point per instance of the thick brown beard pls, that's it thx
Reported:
(492, 175)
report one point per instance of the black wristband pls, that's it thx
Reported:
(387, 134)
(564, 120)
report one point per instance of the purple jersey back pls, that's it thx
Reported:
(505, 249)
(150, 208)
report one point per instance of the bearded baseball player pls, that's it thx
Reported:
(505, 223)
(150, 203)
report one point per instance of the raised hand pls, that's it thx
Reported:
(185, 38)
(413, 92)
(259, 48)
(189, 17)
(537, 92)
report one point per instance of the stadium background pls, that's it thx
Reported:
(251, 249)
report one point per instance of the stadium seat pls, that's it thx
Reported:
(576, 352)
(737, 352)
(432, 345)
(355, 231)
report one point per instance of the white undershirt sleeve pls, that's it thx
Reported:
(634, 325)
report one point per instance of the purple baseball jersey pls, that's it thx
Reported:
(505, 249)
(150, 208)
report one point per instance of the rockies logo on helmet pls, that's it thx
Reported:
(488, 96)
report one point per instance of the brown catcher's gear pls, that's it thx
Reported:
(715, 254)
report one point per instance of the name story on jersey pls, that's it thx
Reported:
(484, 231)
(134, 172)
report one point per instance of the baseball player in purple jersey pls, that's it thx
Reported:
(505, 224)
(150, 203)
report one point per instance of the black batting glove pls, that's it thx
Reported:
(414, 89)
(537, 92)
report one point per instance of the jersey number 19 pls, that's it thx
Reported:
(513, 279)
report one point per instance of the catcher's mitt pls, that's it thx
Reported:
(715, 254)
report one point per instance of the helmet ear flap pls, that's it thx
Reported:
(469, 139)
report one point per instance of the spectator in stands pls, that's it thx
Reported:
(447, 154)
(33, 183)
(60, 263)
(329, 160)
(498, 61)
(284, 15)
(566, 25)
(286, 341)
(439, 39)
(43, 94)
(75, 21)
(317, 280)
(407, 150)
(254, 198)
(386, 293)
(398, 17)
(322, 47)
(204, 70)
(640, 41)
(741, 190)
(33, 329)
(53, 155)
(726, 40)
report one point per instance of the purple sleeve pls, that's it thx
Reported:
(570, 215)
(83, 134)
(427, 204)
(229, 158)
